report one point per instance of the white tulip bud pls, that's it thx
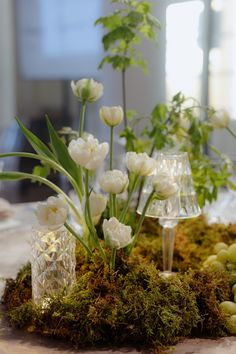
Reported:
(114, 182)
(220, 119)
(98, 203)
(111, 116)
(52, 213)
(140, 163)
(87, 152)
(87, 90)
(116, 234)
(164, 186)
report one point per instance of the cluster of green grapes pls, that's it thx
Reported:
(225, 259)
(229, 309)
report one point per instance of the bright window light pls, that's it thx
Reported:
(184, 57)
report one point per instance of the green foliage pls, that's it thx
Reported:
(61, 153)
(124, 29)
(184, 124)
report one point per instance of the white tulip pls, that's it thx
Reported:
(116, 234)
(164, 186)
(111, 116)
(87, 152)
(87, 90)
(220, 119)
(114, 181)
(140, 163)
(98, 203)
(52, 213)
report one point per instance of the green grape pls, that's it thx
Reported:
(234, 289)
(234, 297)
(210, 259)
(231, 266)
(232, 278)
(228, 307)
(232, 253)
(220, 246)
(222, 256)
(231, 324)
(216, 265)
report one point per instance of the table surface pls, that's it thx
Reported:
(15, 251)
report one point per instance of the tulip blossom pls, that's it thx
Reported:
(116, 234)
(52, 213)
(114, 182)
(220, 119)
(111, 116)
(87, 152)
(140, 163)
(164, 186)
(87, 90)
(98, 203)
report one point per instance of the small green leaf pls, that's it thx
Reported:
(35, 142)
(42, 171)
(61, 151)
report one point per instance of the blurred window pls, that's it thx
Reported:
(201, 51)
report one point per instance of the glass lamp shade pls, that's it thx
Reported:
(183, 204)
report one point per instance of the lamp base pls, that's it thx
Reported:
(167, 274)
(168, 240)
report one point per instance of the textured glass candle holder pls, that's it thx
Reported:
(182, 205)
(53, 263)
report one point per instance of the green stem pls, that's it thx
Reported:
(231, 132)
(114, 205)
(132, 188)
(74, 233)
(51, 163)
(16, 176)
(113, 259)
(111, 211)
(123, 78)
(140, 222)
(111, 147)
(81, 118)
(90, 221)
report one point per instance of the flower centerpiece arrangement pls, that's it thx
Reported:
(78, 162)
(94, 272)
(106, 291)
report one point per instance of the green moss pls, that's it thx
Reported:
(134, 305)
(195, 240)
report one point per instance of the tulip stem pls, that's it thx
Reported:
(74, 233)
(81, 119)
(111, 211)
(111, 200)
(125, 209)
(231, 132)
(113, 259)
(89, 219)
(140, 222)
(111, 147)
(114, 205)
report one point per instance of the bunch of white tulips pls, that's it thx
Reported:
(83, 156)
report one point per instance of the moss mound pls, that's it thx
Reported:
(194, 242)
(134, 305)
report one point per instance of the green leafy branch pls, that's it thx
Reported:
(125, 29)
